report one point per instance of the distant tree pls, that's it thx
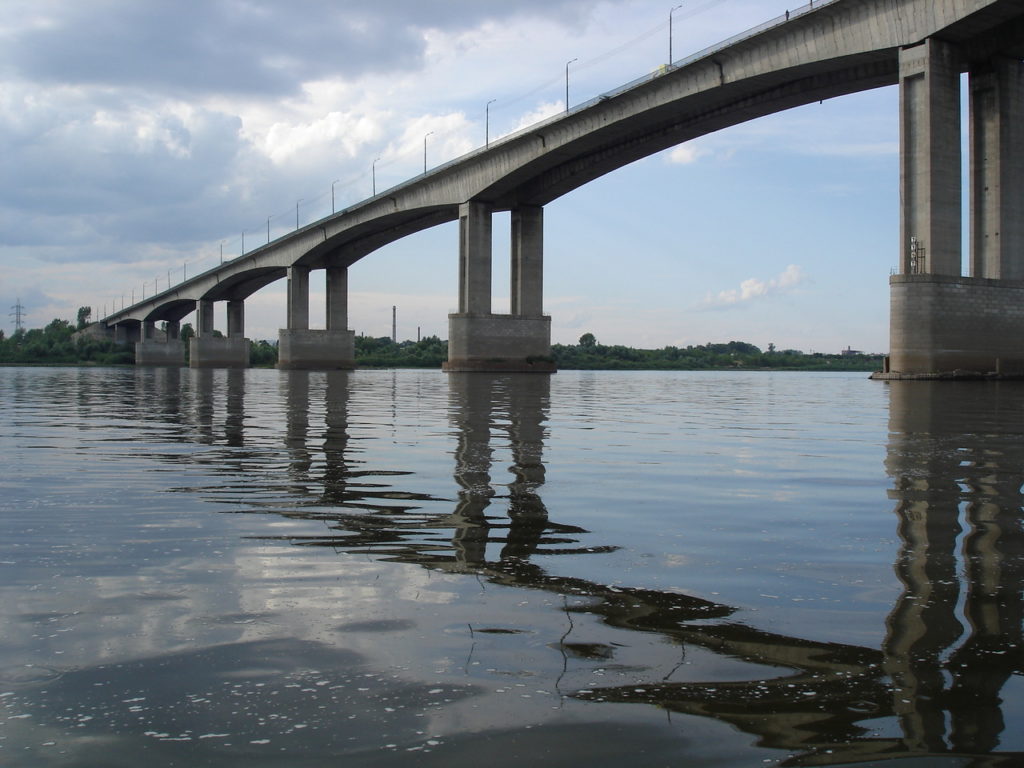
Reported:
(262, 354)
(588, 340)
(84, 315)
(186, 333)
(771, 348)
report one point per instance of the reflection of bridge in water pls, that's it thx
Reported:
(953, 639)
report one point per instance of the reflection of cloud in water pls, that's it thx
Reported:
(230, 702)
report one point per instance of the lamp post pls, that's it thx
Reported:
(243, 242)
(297, 211)
(332, 193)
(221, 258)
(425, 150)
(487, 123)
(570, 61)
(670, 33)
(373, 174)
(268, 228)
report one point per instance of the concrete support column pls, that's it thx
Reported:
(479, 340)
(209, 351)
(475, 258)
(204, 318)
(298, 298)
(930, 185)
(236, 319)
(528, 261)
(127, 333)
(148, 330)
(997, 170)
(337, 298)
(173, 330)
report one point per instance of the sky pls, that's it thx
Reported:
(144, 138)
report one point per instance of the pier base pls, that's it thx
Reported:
(162, 353)
(499, 343)
(217, 352)
(945, 326)
(316, 350)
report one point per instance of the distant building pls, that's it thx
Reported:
(849, 352)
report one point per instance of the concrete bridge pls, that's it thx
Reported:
(941, 320)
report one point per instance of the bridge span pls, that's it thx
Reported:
(940, 320)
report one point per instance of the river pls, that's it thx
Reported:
(383, 568)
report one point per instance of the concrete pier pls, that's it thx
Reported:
(942, 323)
(160, 348)
(479, 340)
(209, 351)
(302, 348)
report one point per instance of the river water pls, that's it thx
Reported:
(263, 568)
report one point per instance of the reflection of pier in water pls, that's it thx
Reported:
(953, 640)
(367, 515)
(826, 711)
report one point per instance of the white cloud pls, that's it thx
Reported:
(755, 288)
(688, 153)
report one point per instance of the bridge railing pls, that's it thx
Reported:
(814, 5)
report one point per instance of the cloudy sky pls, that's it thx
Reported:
(143, 137)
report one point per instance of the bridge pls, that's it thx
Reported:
(941, 321)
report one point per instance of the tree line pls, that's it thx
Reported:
(588, 354)
(58, 344)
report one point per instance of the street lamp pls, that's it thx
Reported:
(670, 33)
(243, 242)
(332, 193)
(570, 61)
(268, 228)
(373, 174)
(425, 150)
(297, 211)
(487, 123)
